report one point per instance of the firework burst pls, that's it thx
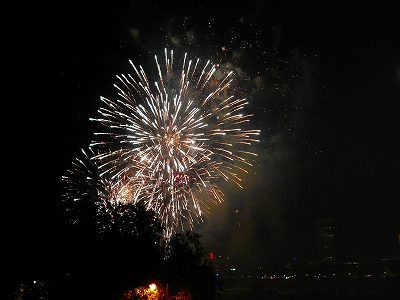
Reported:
(168, 144)
(88, 193)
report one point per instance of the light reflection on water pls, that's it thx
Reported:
(378, 288)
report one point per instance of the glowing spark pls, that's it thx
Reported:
(169, 144)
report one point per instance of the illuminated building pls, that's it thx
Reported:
(325, 236)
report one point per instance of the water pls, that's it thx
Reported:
(319, 289)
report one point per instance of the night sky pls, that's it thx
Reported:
(323, 81)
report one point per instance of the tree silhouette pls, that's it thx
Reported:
(187, 267)
(124, 251)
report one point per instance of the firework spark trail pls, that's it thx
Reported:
(173, 141)
(85, 186)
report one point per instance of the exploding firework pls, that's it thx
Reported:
(88, 192)
(168, 144)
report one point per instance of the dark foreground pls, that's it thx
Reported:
(337, 288)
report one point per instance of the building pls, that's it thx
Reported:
(325, 238)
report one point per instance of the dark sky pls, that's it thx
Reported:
(323, 80)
